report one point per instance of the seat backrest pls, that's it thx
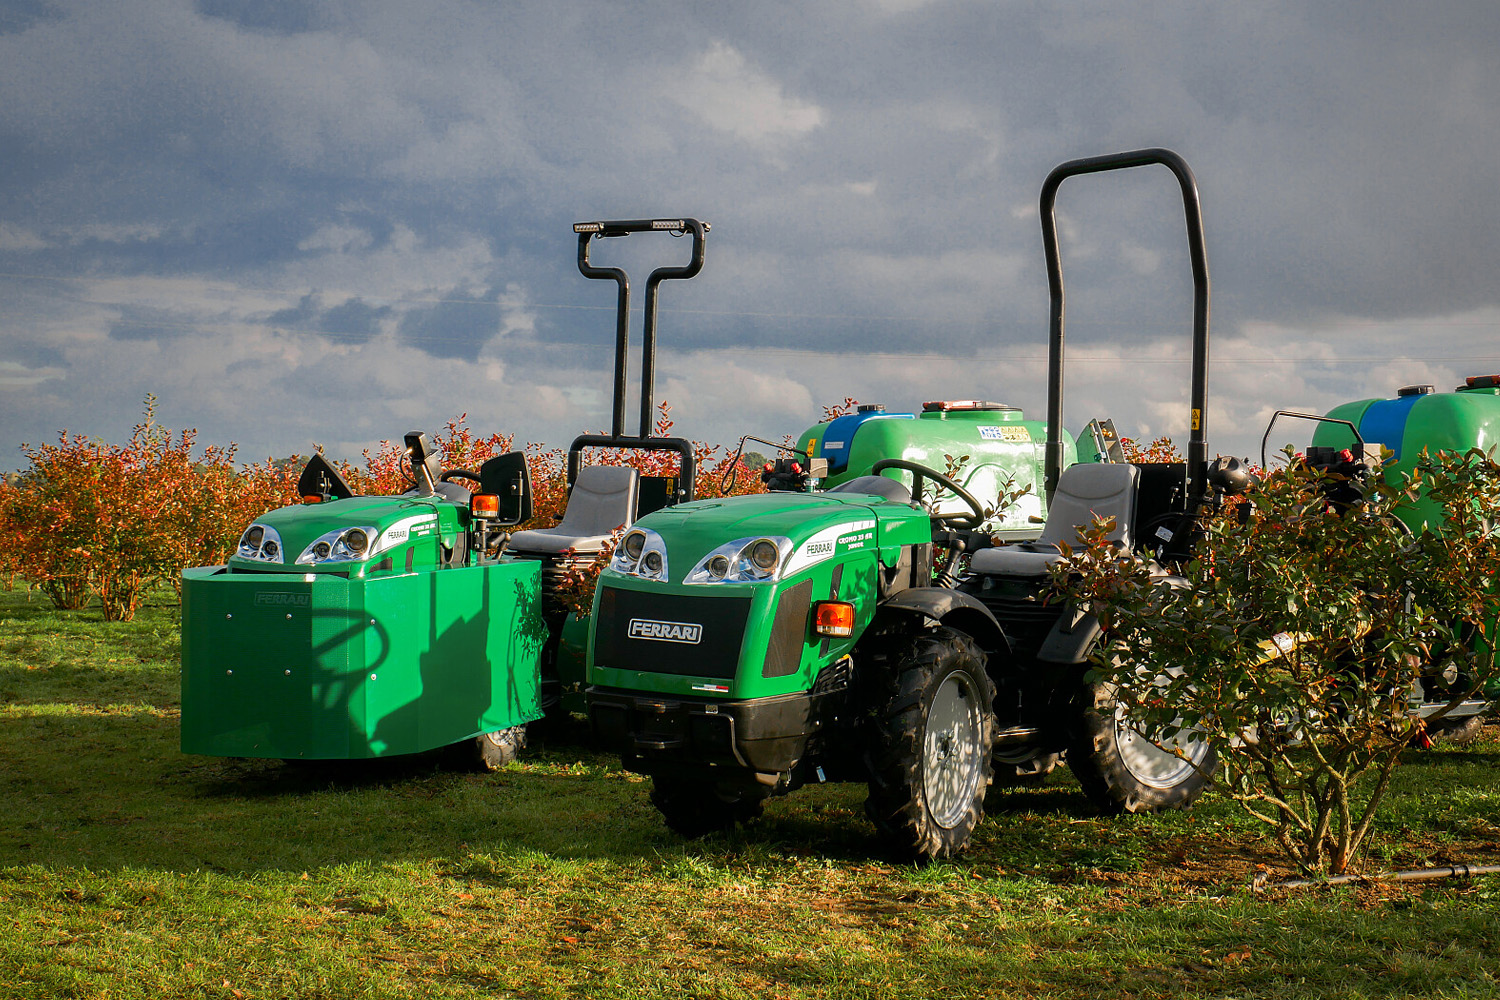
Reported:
(1090, 490)
(603, 498)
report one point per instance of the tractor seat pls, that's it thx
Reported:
(603, 499)
(881, 486)
(1084, 492)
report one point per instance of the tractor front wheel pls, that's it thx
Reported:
(929, 758)
(695, 809)
(1124, 772)
(492, 751)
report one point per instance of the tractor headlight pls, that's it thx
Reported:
(744, 560)
(261, 543)
(338, 545)
(642, 553)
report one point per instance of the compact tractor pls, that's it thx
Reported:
(369, 626)
(744, 647)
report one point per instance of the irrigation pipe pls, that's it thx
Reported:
(1410, 875)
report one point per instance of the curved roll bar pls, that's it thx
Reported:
(1197, 453)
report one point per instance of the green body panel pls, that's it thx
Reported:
(572, 662)
(391, 654)
(1001, 444)
(832, 537)
(1448, 421)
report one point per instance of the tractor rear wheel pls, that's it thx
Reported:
(1124, 772)
(929, 758)
(694, 808)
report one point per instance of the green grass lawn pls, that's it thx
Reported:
(130, 870)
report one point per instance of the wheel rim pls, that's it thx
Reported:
(952, 755)
(1157, 766)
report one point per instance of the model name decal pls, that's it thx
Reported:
(268, 597)
(992, 433)
(646, 628)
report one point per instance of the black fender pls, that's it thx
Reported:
(952, 608)
(1072, 638)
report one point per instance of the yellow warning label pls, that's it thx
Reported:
(1197, 419)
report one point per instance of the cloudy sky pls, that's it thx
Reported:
(310, 221)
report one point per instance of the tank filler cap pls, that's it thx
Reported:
(1414, 390)
(1481, 382)
(870, 408)
(946, 406)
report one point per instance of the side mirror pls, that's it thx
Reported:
(320, 479)
(507, 478)
(426, 463)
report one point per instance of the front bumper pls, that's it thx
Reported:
(768, 735)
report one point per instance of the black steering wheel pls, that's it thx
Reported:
(964, 522)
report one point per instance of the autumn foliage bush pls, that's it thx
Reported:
(91, 519)
(88, 518)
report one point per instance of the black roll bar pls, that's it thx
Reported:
(1197, 454)
(587, 232)
(687, 469)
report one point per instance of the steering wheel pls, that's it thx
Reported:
(964, 522)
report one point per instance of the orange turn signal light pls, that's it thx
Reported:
(833, 618)
(484, 505)
(311, 498)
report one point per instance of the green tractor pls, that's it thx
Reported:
(742, 648)
(350, 627)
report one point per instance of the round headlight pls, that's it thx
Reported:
(718, 567)
(270, 550)
(357, 541)
(253, 536)
(764, 555)
(653, 562)
(634, 542)
(321, 550)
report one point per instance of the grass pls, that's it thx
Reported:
(130, 870)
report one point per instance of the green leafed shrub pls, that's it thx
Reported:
(1300, 634)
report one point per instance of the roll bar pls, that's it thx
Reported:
(1197, 454)
(589, 231)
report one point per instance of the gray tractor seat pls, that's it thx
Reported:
(1084, 492)
(881, 486)
(603, 499)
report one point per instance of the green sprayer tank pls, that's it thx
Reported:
(1001, 445)
(1419, 418)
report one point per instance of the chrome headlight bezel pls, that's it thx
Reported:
(341, 545)
(650, 559)
(732, 562)
(267, 548)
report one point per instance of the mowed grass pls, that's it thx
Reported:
(130, 870)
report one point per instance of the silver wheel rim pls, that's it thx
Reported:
(951, 759)
(1153, 765)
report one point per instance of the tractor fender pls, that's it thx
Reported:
(1075, 633)
(1071, 639)
(952, 608)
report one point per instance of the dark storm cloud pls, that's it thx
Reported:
(456, 327)
(871, 170)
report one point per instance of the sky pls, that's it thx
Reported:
(303, 223)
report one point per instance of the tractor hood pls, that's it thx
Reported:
(346, 536)
(806, 528)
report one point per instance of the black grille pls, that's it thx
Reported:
(716, 653)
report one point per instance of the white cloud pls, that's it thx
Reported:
(730, 95)
(13, 237)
